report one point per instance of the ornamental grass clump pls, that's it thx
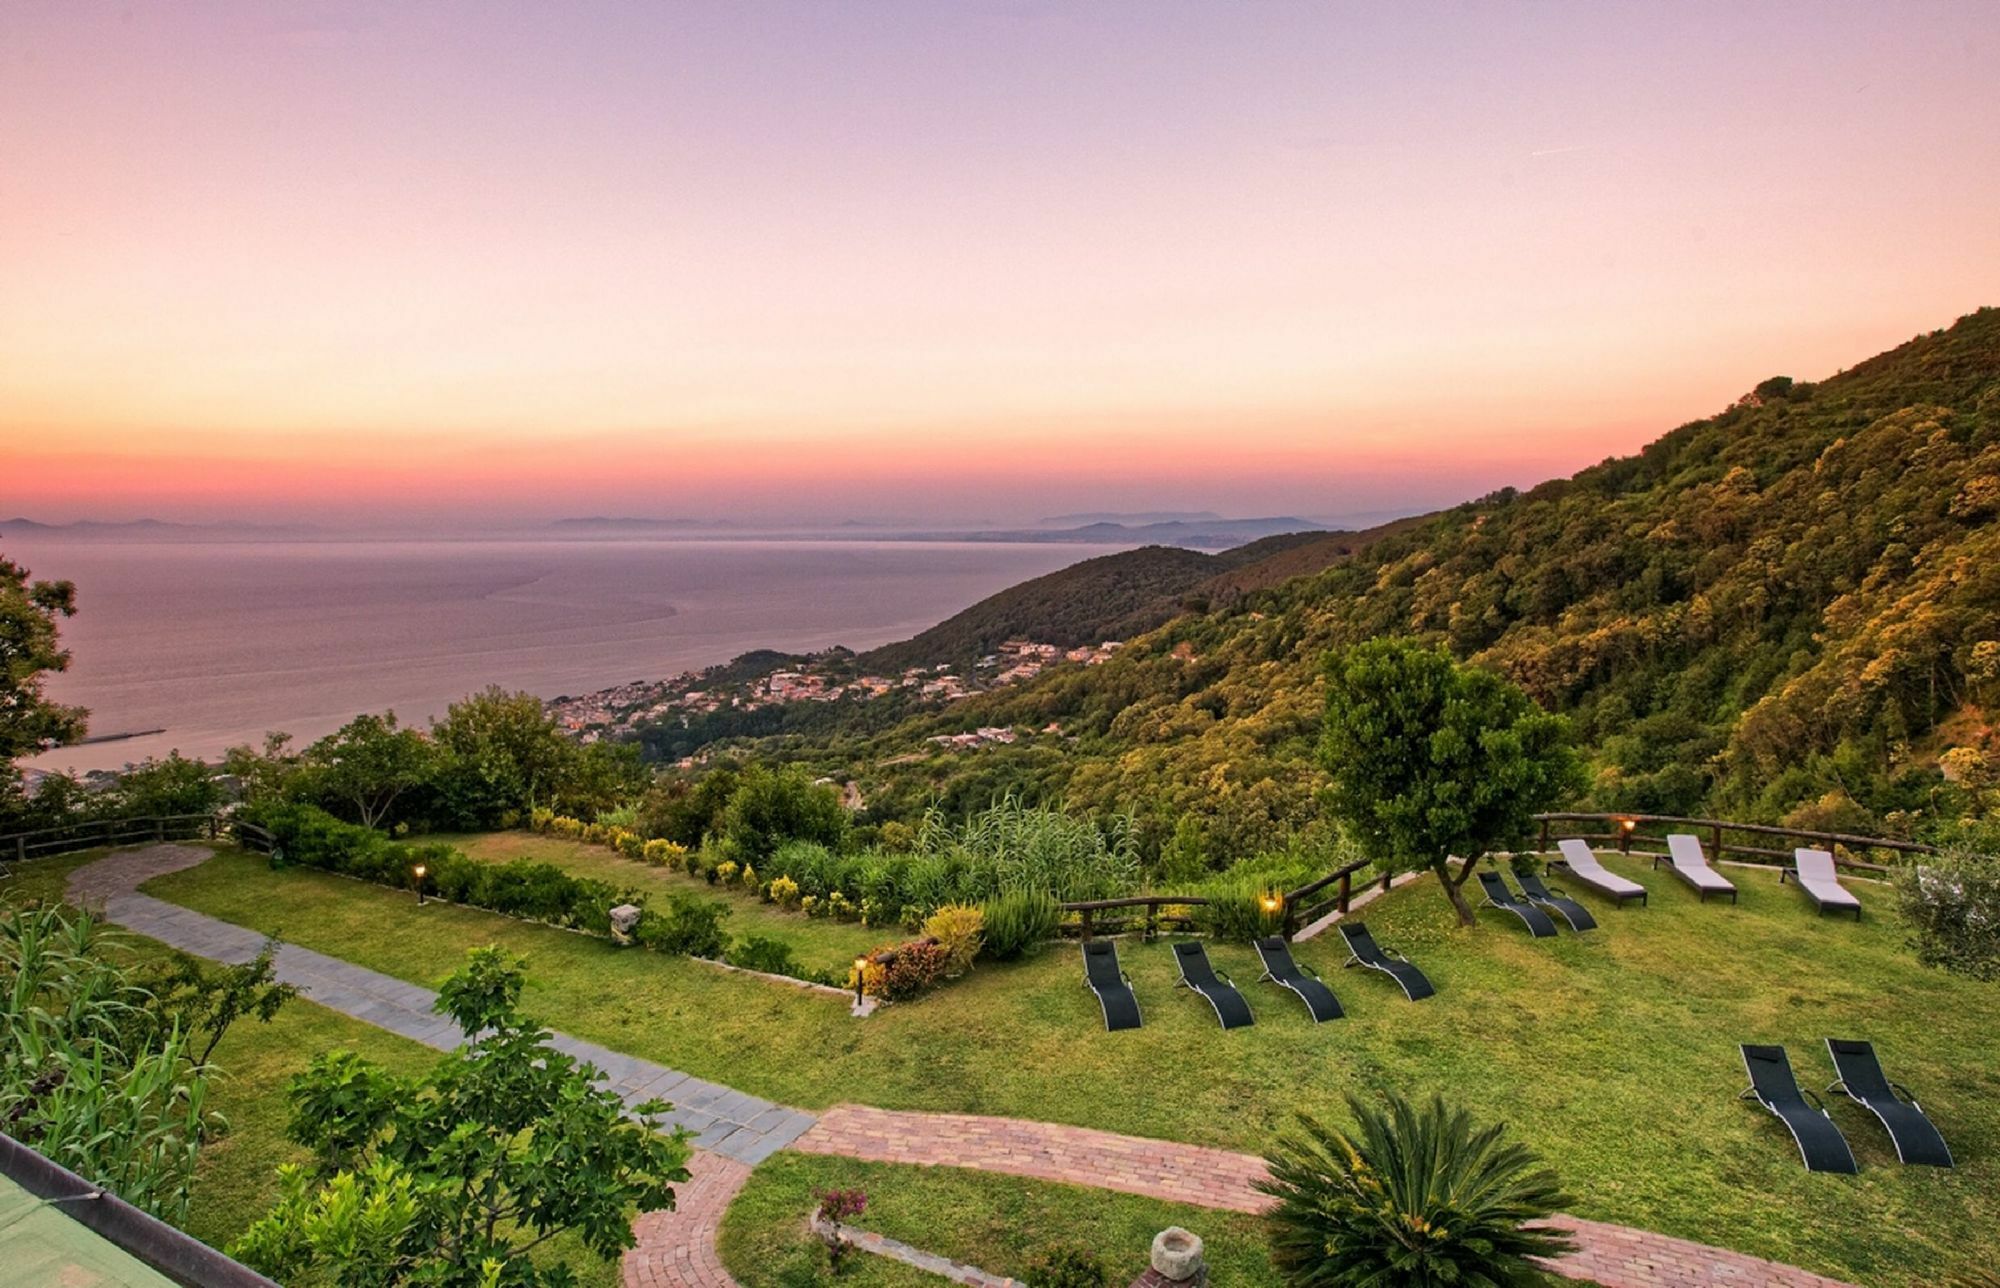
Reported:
(1017, 923)
(1418, 1197)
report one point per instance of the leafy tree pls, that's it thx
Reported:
(456, 1177)
(1417, 1197)
(772, 807)
(603, 777)
(266, 776)
(1433, 760)
(505, 757)
(370, 762)
(174, 785)
(684, 811)
(29, 652)
(202, 1002)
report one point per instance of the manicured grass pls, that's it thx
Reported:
(236, 1175)
(816, 941)
(1612, 1054)
(998, 1223)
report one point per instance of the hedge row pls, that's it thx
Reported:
(677, 924)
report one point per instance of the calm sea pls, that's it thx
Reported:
(215, 643)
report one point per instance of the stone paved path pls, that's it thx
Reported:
(734, 1125)
(677, 1249)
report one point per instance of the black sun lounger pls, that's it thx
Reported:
(1367, 953)
(1772, 1085)
(1281, 970)
(1112, 985)
(1562, 905)
(1499, 896)
(1862, 1081)
(1197, 974)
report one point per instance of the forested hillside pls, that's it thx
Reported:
(1790, 610)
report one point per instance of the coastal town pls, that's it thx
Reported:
(831, 676)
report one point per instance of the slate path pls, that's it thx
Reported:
(730, 1123)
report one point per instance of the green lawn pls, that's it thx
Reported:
(1614, 1054)
(236, 1175)
(816, 941)
(997, 1223)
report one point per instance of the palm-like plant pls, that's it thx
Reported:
(1413, 1197)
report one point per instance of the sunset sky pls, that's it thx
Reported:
(946, 262)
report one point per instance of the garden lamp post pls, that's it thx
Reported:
(860, 978)
(1625, 827)
(419, 872)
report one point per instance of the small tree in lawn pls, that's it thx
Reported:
(1432, 759)
(454, 1178)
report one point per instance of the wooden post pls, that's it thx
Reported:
(1625, 837)
(1387, 877)
(1545, 837)
(20, 849)
(1152, 922)
(159, 829)
(1089, 914)
(1717, 838)
(1346, 891)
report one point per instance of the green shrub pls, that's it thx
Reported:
(1416, 1197)
(1017, 923)
(1065, 1265)
(1951, 905)
(687, 926)
(772, 956)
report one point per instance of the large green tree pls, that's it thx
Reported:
(30, 651)
(370, 762)
(1433, 760)
(505, 756)
(456, 1177)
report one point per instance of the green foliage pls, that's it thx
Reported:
(687, 927)
(201, 1001)
(770, 808)
(451, 1179)
(1431, 759)
(504, 757)
(763, 953)
(1951, 905)
(685, 811)
(173, 785)
(1017, 923)
(93, 1074)
(29, 652)
(959, 930)
(1418, 1197)
(911, 969)
(1066, 1265)
(370, 762)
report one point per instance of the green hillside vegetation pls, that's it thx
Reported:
(1787, 611)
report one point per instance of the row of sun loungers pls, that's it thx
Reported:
(1813, 870)
(1821, 1145)
(1120, 1003)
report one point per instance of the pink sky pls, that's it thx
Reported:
(478, 262)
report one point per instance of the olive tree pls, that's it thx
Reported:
(1433, 760)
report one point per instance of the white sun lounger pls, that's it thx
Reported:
(1691, 866)
(1583, 865)
(1816, 875)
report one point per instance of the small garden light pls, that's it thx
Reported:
(860, 978)
(419, 874)
(1272, 902)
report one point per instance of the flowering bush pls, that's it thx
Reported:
(1951, 904)
(784, 892)
(809, 904)
(724, 871)
(662, 854)
(630, 844)
(837, 905)
(836, 1206)
(907, 970)
(748, 877)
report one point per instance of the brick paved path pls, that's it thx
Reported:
(677, 1249)
(735, 1125)
(1612, 1255)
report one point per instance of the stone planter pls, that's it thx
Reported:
(1177, 1256)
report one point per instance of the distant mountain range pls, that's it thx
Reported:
(1200, 531)
(150, 528)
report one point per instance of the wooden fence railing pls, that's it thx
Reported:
(17, 847)
(1295, 908)
(1645, 834)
